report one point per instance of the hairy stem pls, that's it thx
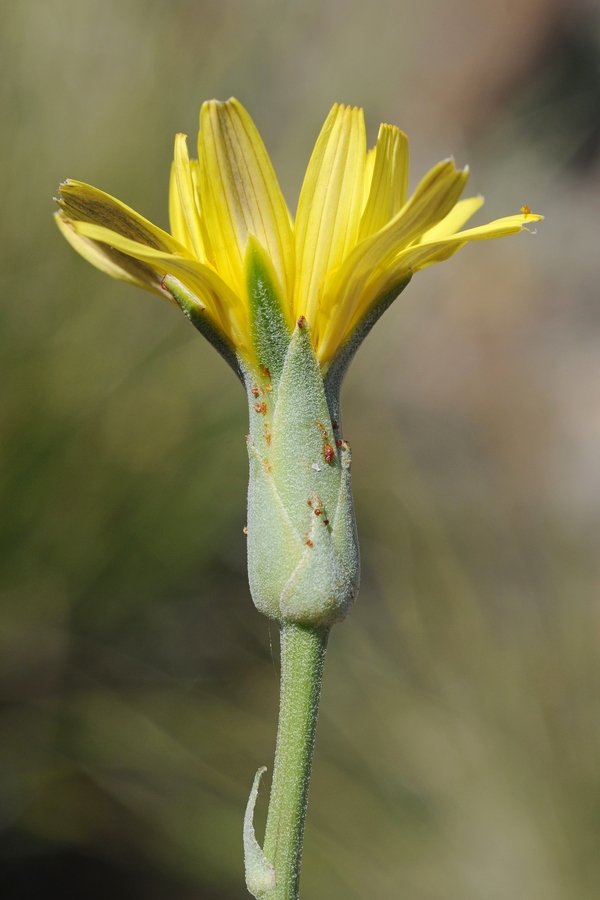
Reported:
(302, 659)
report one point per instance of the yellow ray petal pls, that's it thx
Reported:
(82, 202)
(427, 253)
(240, 194)
(434, 197)
(330, 205)
(221, 303)
(345, 296)
(187, 197)
(455, 219)
(387, 191)
(110, 261)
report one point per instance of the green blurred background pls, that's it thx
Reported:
(458, 754)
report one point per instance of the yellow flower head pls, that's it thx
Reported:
(355, 243)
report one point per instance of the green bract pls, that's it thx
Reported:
(303, 558)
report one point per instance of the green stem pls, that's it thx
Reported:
(302, 659)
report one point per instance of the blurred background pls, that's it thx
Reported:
(458, 754)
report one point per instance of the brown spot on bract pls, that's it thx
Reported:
(328, 453)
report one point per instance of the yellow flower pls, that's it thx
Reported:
(356, 239)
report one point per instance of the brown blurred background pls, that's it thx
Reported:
(458, 755)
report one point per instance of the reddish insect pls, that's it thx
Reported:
(328, 453)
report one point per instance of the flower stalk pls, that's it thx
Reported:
(302, 660)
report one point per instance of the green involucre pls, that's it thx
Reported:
(303, 558)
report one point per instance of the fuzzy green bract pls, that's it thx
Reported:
(303, 558)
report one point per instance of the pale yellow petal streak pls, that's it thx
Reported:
(369, 167)
(240, 194)
(349, 291)
(387, 193)
(176, 217)
(209, 255)
(330, 205)
(212, 292)
(187, 197)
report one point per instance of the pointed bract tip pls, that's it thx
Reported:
(260, 874)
